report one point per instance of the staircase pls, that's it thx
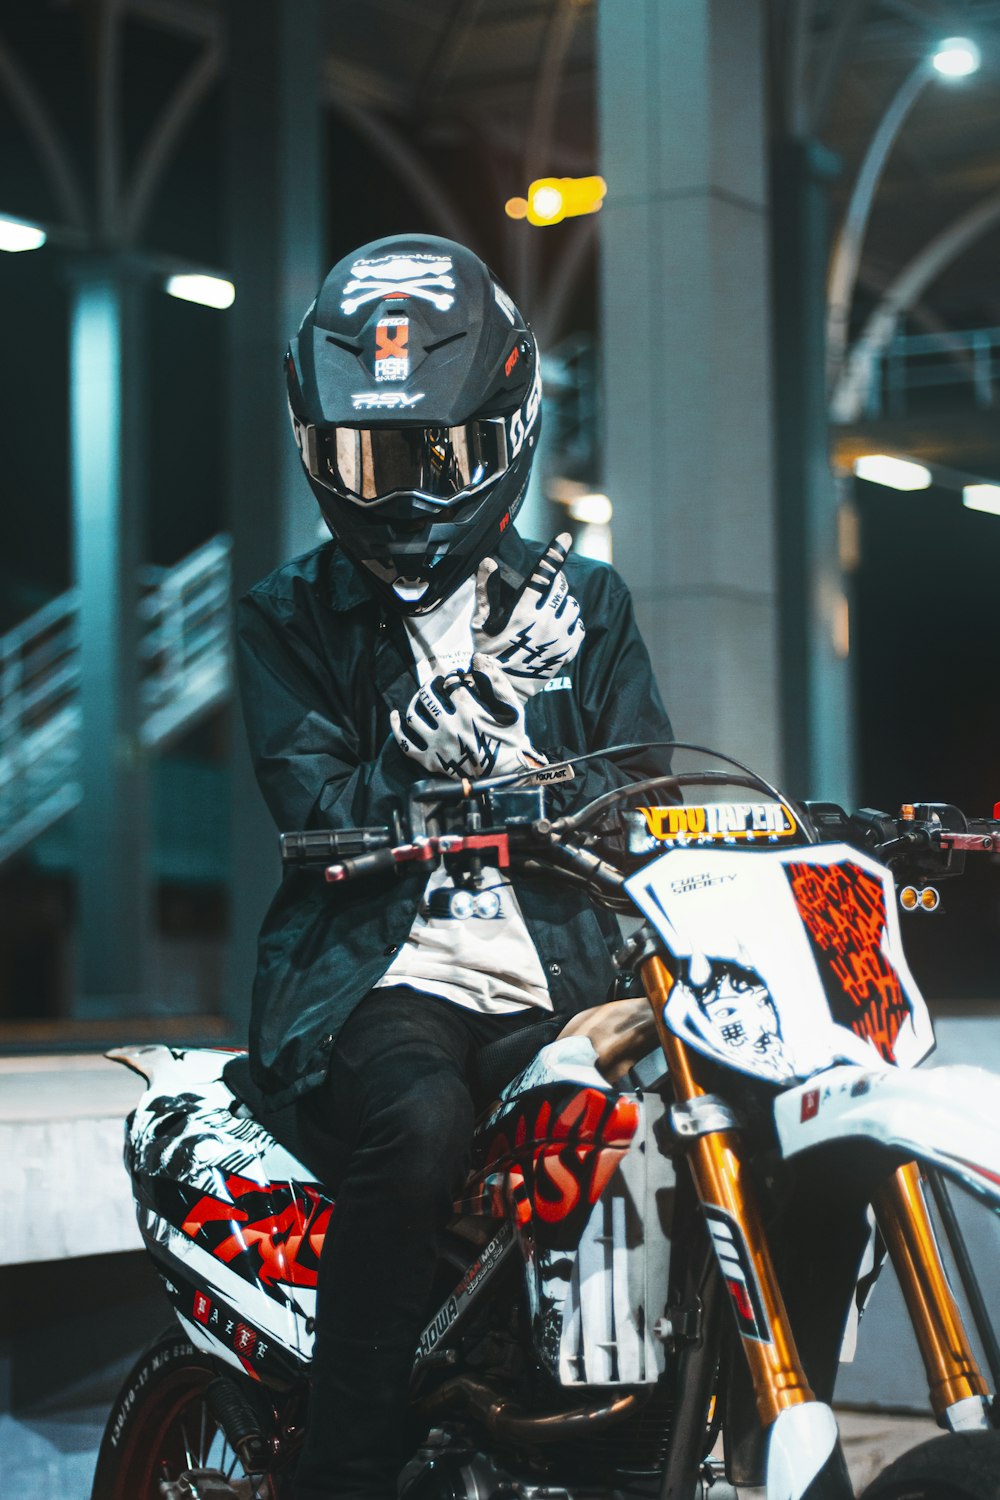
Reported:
(185, 670)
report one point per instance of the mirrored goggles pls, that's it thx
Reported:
(367, 464)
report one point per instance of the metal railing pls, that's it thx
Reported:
(185, 649)
(917, 362)
(186, 670)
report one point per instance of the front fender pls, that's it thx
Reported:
(947, 1117)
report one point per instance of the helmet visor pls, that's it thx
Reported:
(368, 464)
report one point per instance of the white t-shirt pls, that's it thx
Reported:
(487, 963)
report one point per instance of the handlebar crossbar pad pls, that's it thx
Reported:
(378, 862)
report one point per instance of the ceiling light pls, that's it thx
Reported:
(897, 473)
(546, 203)
(17, 234)
(591, 510)
(957, 57)
(982, 497)
(210, 291)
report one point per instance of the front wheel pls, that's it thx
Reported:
(161, 1428)
(957, 1466)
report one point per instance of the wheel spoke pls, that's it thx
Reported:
(187, 1446)
(171, 1428)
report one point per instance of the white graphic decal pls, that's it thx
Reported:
(523, 419)
(698, 883)
(547, 774)
(557, 685)
(474, 1278)
(738, 1274)
(392, 349)
(754, 924)
(366, 400)
(504, 303)
(425, 276)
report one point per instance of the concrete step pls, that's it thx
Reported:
(66, 1191)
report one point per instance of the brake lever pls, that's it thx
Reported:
(904, 843)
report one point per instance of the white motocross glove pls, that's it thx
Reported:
(468, 723)
(543, 632)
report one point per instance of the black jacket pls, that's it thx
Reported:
(320, 668)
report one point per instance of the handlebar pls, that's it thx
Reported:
(485, 821)
(929, 837)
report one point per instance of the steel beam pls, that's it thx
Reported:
(106, 418)
(277, 188)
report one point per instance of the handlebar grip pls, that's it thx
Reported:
(375, 863)
(326, 845)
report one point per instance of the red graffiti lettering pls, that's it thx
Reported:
(553, 1174)
(843, 909)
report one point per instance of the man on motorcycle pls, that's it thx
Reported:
(427, 638)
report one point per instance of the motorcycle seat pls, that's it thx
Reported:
(621, 1031)
(286, 1125)
(492, 1067)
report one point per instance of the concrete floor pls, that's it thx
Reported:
(52, 1457)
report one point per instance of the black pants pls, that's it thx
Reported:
(397, 1097)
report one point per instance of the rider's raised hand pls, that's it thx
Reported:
(467, 723)
(543, 632)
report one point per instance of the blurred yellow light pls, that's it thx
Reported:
(545, 203)
(848, 537)
(210, 291)
(552, 199)
(982, 497)
(516, 208)
(930, 899)
(840, 627)
(908, 898)
(896, 473)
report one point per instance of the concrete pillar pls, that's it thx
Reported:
(276, 197)
(686, 340)
(112, 822)
(817, 698)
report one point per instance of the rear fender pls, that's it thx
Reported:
(166, 1068)
(233, 1221)
(946, 1117)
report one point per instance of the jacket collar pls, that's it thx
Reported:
(516, 556)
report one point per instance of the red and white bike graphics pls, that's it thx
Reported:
(789, 959)
(644, 1222)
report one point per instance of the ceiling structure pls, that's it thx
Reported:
(513, 82)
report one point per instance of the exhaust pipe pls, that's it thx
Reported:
(503, 1420)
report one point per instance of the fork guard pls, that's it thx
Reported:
(946, 1117)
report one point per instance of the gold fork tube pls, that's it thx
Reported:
(952, 1371)
(722, 1180)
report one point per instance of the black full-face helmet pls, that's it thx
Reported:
(415, 398)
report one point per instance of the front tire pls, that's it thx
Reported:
(160, 1426)
(957, 1466)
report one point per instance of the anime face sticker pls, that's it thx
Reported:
(742, 1014)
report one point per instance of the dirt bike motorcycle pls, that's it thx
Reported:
(676, 1206)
